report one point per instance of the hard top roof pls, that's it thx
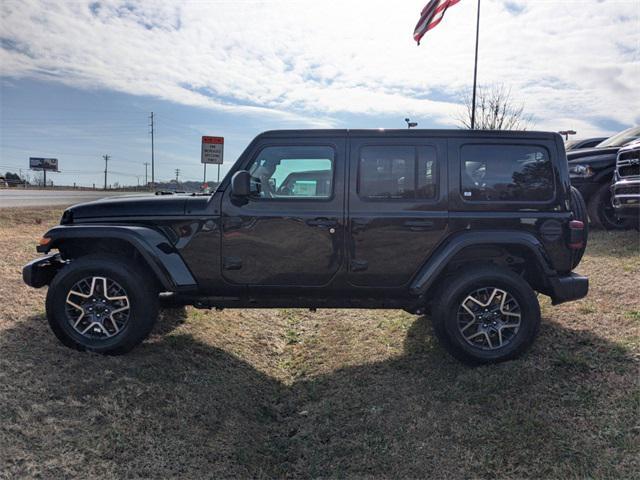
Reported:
(414, 132)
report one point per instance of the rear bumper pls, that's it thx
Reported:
(568, 288)
(39, 272)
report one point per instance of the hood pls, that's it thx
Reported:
(592, 154)
(629, 147)
(130, 206)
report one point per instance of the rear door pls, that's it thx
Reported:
(290, 233)
(397, 207)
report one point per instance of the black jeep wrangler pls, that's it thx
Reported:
(463, 225)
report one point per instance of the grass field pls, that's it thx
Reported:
(337, 393)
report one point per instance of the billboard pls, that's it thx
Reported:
(37, 163)
(212, 150)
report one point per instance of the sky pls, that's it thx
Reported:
(78, 79)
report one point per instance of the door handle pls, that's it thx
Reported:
(359, 265)
(231, 263)
(232, 222)
(322, 223)
(417, 225)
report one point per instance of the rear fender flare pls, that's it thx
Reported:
(439, 260)
(161, 257)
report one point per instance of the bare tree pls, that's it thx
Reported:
(495, 110)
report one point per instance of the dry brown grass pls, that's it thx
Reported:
(288, 393)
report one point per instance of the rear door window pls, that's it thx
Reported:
(397, 172)
(506, 173)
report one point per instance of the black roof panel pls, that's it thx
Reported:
(414, 132)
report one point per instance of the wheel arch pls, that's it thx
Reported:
(144, 245)
(521, 252)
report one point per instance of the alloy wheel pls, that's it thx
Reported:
(489, 318)
(97, 308)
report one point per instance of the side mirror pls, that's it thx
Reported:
(241, 184)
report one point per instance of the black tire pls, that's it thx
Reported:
(456, 289)
(142, 300)
(601, 211)
(579, 208)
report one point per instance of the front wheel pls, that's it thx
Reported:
(602, 213)
(102, 304)
(486, 315)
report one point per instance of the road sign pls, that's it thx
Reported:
(212, 150)
(37, 163)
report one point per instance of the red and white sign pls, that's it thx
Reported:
(212, 150)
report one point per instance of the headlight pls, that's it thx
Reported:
(580, 171)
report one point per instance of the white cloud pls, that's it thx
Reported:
(307, 62)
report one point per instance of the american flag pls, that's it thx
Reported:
(431, 16)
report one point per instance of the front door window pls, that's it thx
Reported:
(293, 172)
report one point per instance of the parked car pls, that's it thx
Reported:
(466, 225)
(584, 143)
(591, 172)
(626, 183)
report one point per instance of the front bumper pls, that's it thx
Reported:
(625, 197)
(39, 272)
(568, 288)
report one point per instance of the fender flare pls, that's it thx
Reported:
(159, 254)
(453, 245)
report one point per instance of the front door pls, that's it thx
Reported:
(290, 232)
(397, 207)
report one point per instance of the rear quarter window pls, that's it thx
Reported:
(506, 173)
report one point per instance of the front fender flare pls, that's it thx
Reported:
(161, 257)
(453, 245)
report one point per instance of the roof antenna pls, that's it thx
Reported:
(410, 124)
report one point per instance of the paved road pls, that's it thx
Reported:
(44, 198)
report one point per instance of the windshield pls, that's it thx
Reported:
(622, 138)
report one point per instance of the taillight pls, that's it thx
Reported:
(576, 234)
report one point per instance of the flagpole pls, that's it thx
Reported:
(475, 73)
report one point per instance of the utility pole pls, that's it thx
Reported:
(146, 184)
(153, 178)
(475, 73)
(177, 174)
(106, 160)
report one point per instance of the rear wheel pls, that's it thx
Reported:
(602, 213)
(486, 315)
(102, 304)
